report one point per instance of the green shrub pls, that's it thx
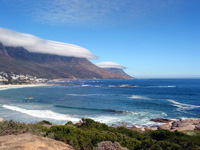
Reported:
(87, 135)
(12, 127)
(69, 123)
(44, 122)
(89, 124)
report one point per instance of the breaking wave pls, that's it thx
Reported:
(83, 94)
(182, 106)
(168, 86)
(138, 97)
(42, 113)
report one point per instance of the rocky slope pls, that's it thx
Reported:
(180, 125)
(19, 60)
(28, 141)
(118, 71)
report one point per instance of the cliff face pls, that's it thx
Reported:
(19, 60)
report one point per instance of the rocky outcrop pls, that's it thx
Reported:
(29, 141)
(171, 125)
(161, 120)
(118, 71)
(185, 124)
(182, 125)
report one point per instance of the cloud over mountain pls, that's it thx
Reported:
(110, 65)
(37, 45)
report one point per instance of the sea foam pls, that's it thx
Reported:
(83, 94)
(138, 97)
(182, 106)
(42, 113)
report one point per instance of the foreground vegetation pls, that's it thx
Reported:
(89, 133)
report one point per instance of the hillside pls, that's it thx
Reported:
(118, 71)
(19, 60)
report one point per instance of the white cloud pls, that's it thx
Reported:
(37, 45)
(97, 11)
(109, 65)
(91, 12)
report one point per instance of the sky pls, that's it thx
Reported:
(150, 38)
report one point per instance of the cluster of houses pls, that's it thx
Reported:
(12, 78)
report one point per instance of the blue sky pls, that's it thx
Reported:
(151, 38)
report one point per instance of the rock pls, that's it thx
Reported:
(137, 129)
(151, 128)
(154, 128)
(147, 129)
(28, 141)
(142, 129)
(165, 127)
(1, 119)
(194, 121)
(108, 145)
(189, 124)
(186, 128)
(198, 126)
(184, 124)
(161, 120)
(190, 119)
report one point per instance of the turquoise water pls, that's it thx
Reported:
(108, 101)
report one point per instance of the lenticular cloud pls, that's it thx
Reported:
(109, 65)
(37, 45)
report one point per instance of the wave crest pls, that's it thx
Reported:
(138, 97)
(182, 106)
(42, 113)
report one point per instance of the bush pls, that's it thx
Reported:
(87, 136)
(89, 124)
(44, 122)
(69, 123)
(87, 139)
(11, 127)
(161, 135)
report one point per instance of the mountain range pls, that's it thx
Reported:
(20, 61)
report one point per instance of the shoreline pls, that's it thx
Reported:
(10, 86)
(181, 125)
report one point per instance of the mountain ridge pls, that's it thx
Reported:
(118, 71)
(20, 60)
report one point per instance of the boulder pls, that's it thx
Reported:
(142, 129)
(185, 124)
(161, 120)
(198, 127)
(186, 128)
(1, 119)
(165, 127)
(190, 120)
(154, 128)
(147, 128)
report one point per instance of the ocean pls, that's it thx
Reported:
(113, 102)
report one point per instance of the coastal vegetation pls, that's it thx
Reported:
(87, 134)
